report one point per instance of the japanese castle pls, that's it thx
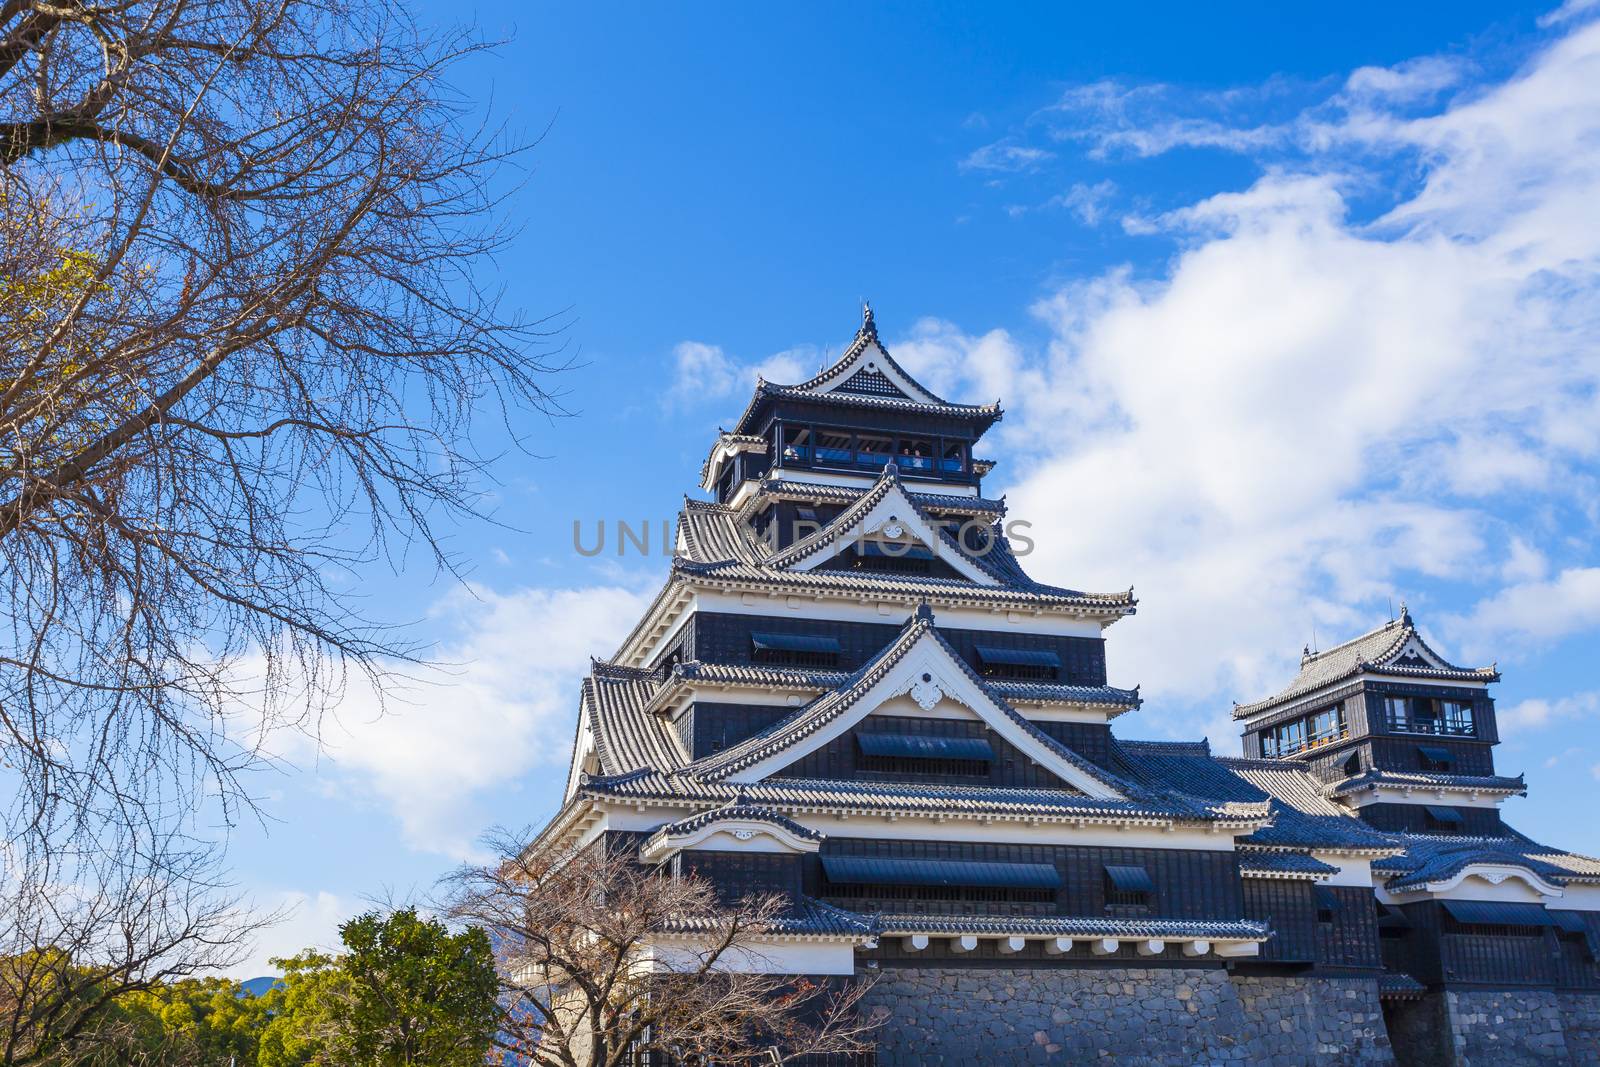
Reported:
(849, 691)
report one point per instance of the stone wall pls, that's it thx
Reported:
(1132, 1017)
(1418, 1032)
(1507, 1028)
(1580, 1019)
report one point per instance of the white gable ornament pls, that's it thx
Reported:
(926, 692)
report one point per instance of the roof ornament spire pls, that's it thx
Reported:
(1405, 614)
(924, 612)
(869, 325)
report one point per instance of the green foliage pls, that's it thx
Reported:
(405, 992)
(197, 1020)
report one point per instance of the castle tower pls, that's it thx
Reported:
(1393, 729)
(850, 691)
(1476, 921)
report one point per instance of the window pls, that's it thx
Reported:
(955, 457)
(916, 754)
(833, 447)
(1436, 759)
(794, 650)
(1441, 819)
(915, 454)
(924, 766)
(1026, 664)
(1352, 766)
(1327, 904)
(965, 894)
(895, 557)
(1129, 889)
(797, 443)
(926, 879)
(873, 452)
(1321, 727)
(1425, 715)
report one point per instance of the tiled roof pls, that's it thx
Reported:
(990, 413)
(1073, 926)
(823, 680)
(737, 442)
(866, 336)
(1373, 777)
(828, 707)
(627, 736)
(1302, 817)
(804, 917)
(1057, 693)
(1284, 864)
(808, 915)
(761, 674)
(889, 483)
(711, 533)
(1376, 651)
(736, 811)
(716, 546)
(1439, 857)
(905, 798)
(785, 489)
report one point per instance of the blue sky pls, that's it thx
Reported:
(1294, 314)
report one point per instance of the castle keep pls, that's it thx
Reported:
(849, 691)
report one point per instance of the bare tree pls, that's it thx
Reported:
(245, 327)
(605, 962)
(85, 927)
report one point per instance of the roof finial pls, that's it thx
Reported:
(869, 326)
(1405, 614)
(924, 612)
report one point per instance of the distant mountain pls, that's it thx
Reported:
(258, 987)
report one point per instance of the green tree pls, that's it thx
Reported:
(405, 991)
(197, 1020)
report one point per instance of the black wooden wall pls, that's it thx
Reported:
(1351, 939)
(840, 757)
(1289, 907)
(1413, 818)
(710, 726)
(720, 637)
(1190, 883)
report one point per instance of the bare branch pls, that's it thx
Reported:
(605, 961)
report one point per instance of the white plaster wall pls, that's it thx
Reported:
(774, 957)
(1352, 870)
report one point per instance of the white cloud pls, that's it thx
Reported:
(1537, 712)
(1005, 158)
(437, 749)
(705, 373)
(310, 920)
(1310, 412)
(1087, 202)
(1523, 562)
(1115, 119)
(1568, 11)
(1533, 612)
(1417, 78)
